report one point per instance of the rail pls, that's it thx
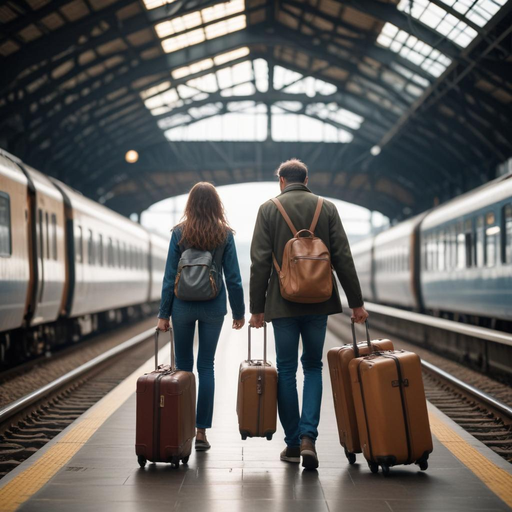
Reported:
(483, 333)
(17, 406)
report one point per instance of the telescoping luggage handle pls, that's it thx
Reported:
(264, 344)
(356, 348)
(171, 335)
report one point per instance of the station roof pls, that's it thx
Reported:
(394, 105)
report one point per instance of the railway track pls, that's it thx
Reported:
(27, 424)
(480, 413)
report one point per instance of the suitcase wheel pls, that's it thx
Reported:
(423, 464)
(185, 459)
(244, 435)
(385, 469)
(351, 457)
(269, 437)
(374, 467)
(141, 460)
(175, 462)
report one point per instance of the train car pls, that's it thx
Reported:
(108, 258)
(395, 265)
(14, 245)
(362, 252)
(158, 258)
(466, 252)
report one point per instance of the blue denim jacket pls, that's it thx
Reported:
(231, 275)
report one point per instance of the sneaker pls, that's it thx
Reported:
(291, 454)
(308, 453)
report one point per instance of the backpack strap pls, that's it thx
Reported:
(317, 214)
(285, 215)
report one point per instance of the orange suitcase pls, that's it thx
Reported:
(391, 410)
(257, 395)
(338, 359)
(166, 417)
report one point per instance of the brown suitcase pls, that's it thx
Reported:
(257, 395)
(338, 359)
(391, 410)
(166, 417)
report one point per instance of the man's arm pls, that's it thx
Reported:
(261, 264)
(343, 263)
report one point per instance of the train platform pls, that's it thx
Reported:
(91, 466)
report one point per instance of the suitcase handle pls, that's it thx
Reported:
(356, 349)
(171, 335)
(264, 344)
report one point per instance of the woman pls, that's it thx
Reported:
(204, 227)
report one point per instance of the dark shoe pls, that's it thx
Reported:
(308, 453)
(291, 454)
(202, 445)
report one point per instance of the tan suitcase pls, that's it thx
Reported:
(166, 413)
(391, 410)
(257, 395)
(338, 359)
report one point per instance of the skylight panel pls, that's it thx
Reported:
(333, 112)
(414, 50)
(153, 4)
(232, 55)
(295, 83)
(261, 74)
(168, 98)
(155, 90)
(182, 27)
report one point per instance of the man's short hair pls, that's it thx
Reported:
(293, 171)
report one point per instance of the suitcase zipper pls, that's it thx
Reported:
(319, 258)
(401, 383)
(259, 390)
(368, 436)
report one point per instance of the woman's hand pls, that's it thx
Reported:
(238, 324)
(163, 325)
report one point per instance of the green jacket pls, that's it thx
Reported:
(271, 234)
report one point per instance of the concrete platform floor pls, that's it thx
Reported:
(236, 475)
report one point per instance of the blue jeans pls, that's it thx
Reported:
(185, 315)
(287, 332)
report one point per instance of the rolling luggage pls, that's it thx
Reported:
(257, 395)
(338, 359)
(166, 400)
(391, 410)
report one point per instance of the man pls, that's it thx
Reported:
(292, 320)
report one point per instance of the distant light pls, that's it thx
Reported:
(375, 150)
(131, 156)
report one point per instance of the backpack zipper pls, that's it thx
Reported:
(319, 258)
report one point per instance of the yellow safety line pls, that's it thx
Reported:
(497, 479)
(27, 483)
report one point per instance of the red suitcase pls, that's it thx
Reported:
(166, 417)
(339, 359)
(257, 395)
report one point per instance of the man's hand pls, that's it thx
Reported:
(163, 324)
(359, 315)
(257, 320)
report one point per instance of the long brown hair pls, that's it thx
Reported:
(204, 225)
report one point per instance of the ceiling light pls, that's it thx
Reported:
(375, 151)
(131, 156)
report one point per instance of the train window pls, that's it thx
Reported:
(54, 236)
(491, 240)
(100, 250)
(90, 249)
(479, 242)
(461, 246)
(47, 236)
(469, 249)
(441, 251)
(125, 258)
(506, 253)
(79, 255)
(5, 225)
(110, 253)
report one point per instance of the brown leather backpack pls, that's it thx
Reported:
(306, 273)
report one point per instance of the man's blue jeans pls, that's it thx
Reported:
(184, 319)
(287, 332)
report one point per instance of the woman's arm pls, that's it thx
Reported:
(171, 268)
(233, 279)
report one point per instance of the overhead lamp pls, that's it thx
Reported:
(375, 150)
(131, 156)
